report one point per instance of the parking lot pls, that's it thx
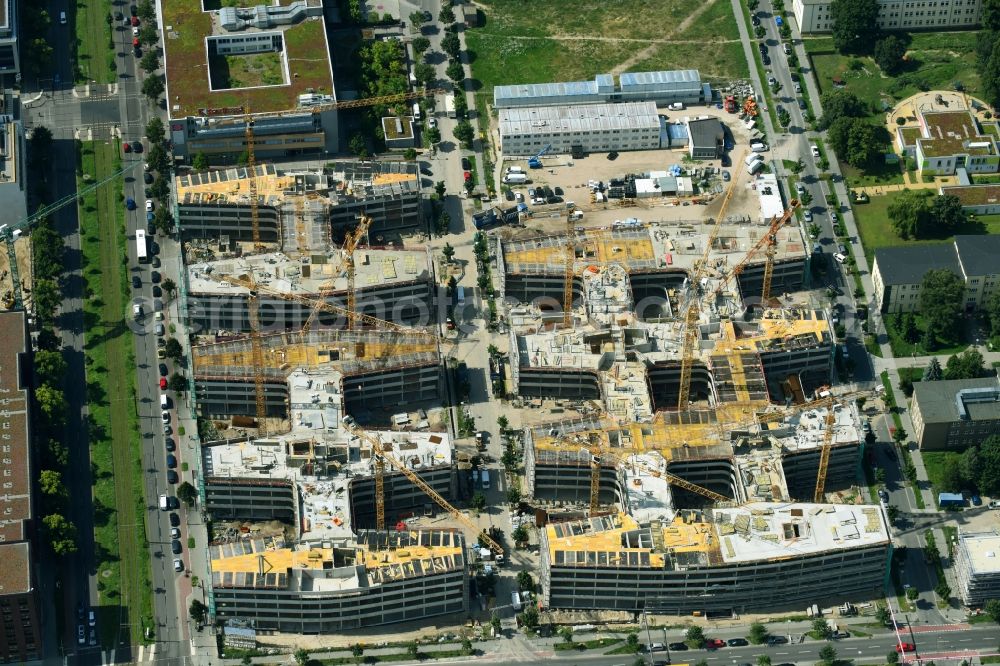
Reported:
(571, 176)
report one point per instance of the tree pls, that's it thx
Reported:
(446, 15)
(888, 54)
(855, 25)
(502, 421)
(529, 618)
(941, 300)
(967, 365)
(988, 478)
(525, 581)
(357, 144)
(763, 660)
(466, 647)
(951, 478)
(892, 513)
(465, 133)
(632, 642)
(451, 45)
(177, 383)
(455, 72)
(155, 132)
(416, 19)
(694, 637)
(148, 36)
(856, 141)
(947, 214)
(478, 501)
(357, 650)
(169, 286)
(199, 161)
(157, 158)
(932, 373)
(412, 649)
(989, 66)
(146, 11)
(152, 87)
(52, 402)
(424, 73)
(839, 103)
(827, 655)
(513, 496)
(821, 629)
(50, 366)
(150, 62)
(50, 482)
(892, 657)
(968, 466)
(199, 612)
(992, 310)
(164, 222)
(567, 634)
(806, 198)
(443, 223)
(439, 188)
(410, 154)
(448, 251)
(992, 609)
(520, 534)
(47, 298)
(882, 615)
(186, 493)
(61, 534)
(909, 213)
(160, 189)
(421, 44)
(758, 633)
(433, 135)
(173, 349)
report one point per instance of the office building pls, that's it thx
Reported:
(977, 568)
(526, 130)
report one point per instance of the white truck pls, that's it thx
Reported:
(515, 178)
(449, 105)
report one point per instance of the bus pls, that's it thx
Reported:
(141, 251)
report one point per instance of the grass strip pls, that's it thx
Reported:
(95, 51)
(122, 552)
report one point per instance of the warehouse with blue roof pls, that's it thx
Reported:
(664, 87)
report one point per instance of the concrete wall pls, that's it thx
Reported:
(400, 494)
(813, 365)
(391, 387)
(665, 384)
(229, 498)
(801, 468)
(558, 383)
(787, 276)
(219, 398)
(532, 287)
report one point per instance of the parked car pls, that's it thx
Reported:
(171, 461)
(178, 564)
(677, 647)
(814, 150)
(976, 500)
(905, 647)
(163, 369)
(175, 520)
(169, 444)
(136, 282)
(149, 205)
(737, 642)
(171, 476)
(466, 164)
(147, 178)
(714, 643)
(163, 383)
(175, 547)
(127, 147)
(777, 640)
(130, 204)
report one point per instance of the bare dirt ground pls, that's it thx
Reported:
(22, 249)
(572, 176)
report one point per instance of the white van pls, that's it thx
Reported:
(751, 158)
(62, 18)
(486, 480)
(164, 503)
(758, 147)
(839, 257)
(164, 401)
(137, 311)
(755, 167)
(676, 106)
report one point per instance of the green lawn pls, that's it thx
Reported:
(902, 348)
(95, 56)
(122, 553)
(937, 61)
(935, 463)
(574, 40)
(873, 225)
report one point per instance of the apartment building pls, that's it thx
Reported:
(815, 15)
(21, 639)
(955, 414)
(944, 141)
(898, 272)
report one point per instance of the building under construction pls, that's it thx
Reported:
(758, 556)
(302, 209)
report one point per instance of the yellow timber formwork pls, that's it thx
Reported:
(283, 350)
(597, 247)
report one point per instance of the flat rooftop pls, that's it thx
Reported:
(983, 551)
(755, 532)
(949, 401)
(375, 558)
(517, 121)
(186, 28)
(948, 133)
(320, 274)
(974, 195)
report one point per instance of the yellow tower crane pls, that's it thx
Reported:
(694, 304)
(257, 356)
(568, 281)
(772, 245)
(382, 456)
(824, 452)
(252, 179)
(350, 244)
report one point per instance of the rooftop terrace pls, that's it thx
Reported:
(186, 28)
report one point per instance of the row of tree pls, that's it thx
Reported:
(978, 467)
(855, 140)
(988, 52)
(919, 214)
(50, 367)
